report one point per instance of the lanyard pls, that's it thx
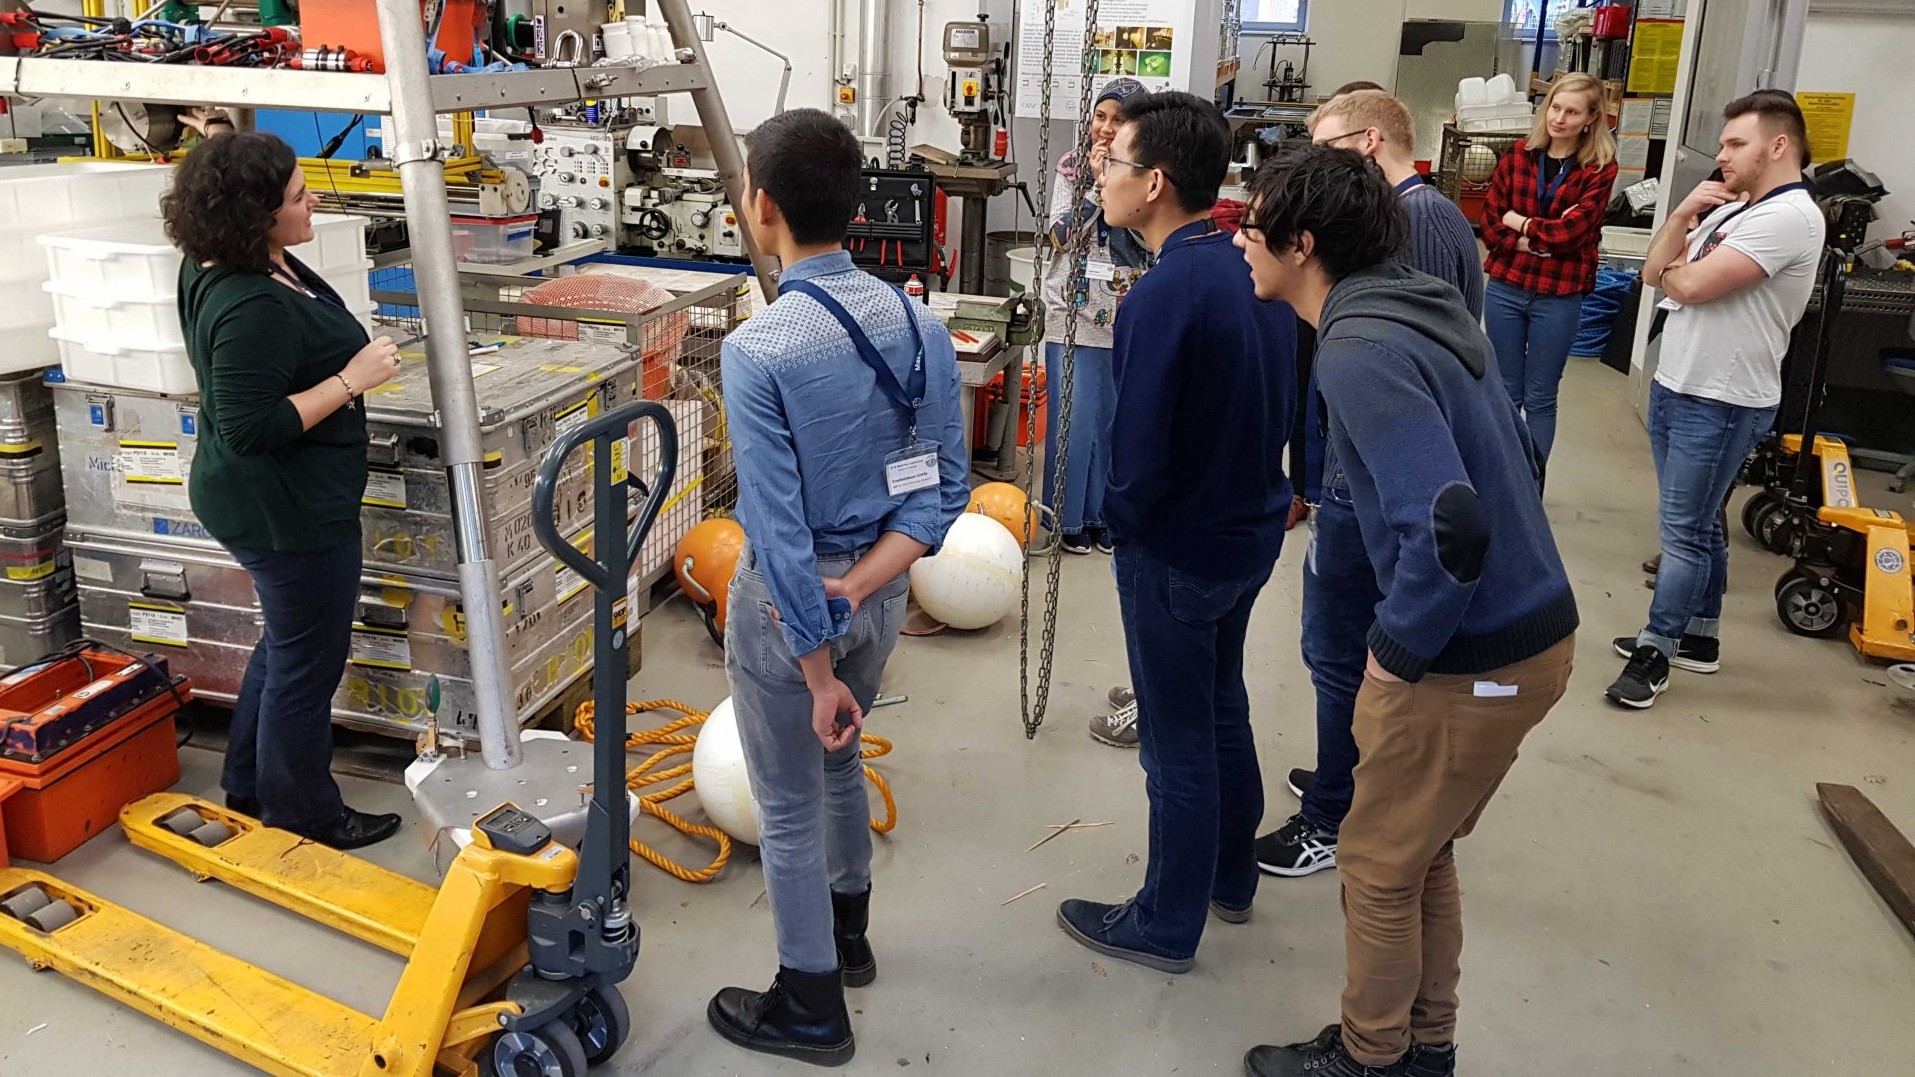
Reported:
(1721, 230)
(293, 279)
(1410, 184)
(909, 400)
(1547, 194)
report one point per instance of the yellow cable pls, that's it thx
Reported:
(674, 742)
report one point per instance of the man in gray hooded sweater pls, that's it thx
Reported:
(1475, 635)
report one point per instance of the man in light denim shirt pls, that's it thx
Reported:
(842, 399)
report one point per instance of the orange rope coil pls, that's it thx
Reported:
(673, 741)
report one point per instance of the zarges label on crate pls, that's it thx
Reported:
(155, 463)
(164, 625)
(385, 489)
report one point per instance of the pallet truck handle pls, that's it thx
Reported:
(602, 431)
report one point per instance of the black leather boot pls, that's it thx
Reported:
(802, 1016)
(850, 914)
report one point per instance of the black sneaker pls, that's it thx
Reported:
(1697, 654)
(1099, 538)
(1076, 544)
(1320, 1057)
(1643, 679)
(1301, 780)
(1297, 848)
(1430, 1060)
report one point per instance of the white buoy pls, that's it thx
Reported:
(720, 778)
(973, 581)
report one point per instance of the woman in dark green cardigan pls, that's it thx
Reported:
(281, 464)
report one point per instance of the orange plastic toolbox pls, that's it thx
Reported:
(84, 736)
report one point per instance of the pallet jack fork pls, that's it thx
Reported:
(512, 962)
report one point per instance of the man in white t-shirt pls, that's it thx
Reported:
(1736, 263)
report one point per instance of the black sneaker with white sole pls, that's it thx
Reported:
(1297, 848)
(1643, 679)
(1697, 654)
(1300, 781)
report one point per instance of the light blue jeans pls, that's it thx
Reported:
(1080, 503)
(814, 818)
(1532, 335)
(1699, 446)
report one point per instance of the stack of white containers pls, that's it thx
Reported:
(114, 292)
(1493, 104)
(35, 199)
(38, 609)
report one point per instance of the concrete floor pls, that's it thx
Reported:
(1653, 892)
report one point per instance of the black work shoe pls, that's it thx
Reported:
(1323, 1056)
(1297, 848)
(1697, 654)
(1301, 781)
(1643, 679)
(353, 830)
(1430, 1060)
(1229, 915)
(801, 1016)
(247, 806)
(850, 915)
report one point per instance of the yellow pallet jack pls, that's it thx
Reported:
(512, 962)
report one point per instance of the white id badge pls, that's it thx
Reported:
(1100, 268)
(912, 468)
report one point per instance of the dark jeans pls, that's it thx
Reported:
(281, 747)
(1185, 636)
(1339, 605)
(1699, 446)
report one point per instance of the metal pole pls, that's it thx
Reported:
(422, 177)
(724, 144)
(874, 63)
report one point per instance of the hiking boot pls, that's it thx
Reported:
(801, 1016)
(850, 915)
(1323, 1056)
(1643, 679)
(1430, 1060)
(1118, 729)
(1297, 848)
(1697, 654)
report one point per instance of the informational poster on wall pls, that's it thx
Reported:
(1148, 40)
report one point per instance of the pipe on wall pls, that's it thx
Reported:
(874, 65)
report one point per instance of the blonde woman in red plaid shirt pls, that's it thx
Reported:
(1542, 221)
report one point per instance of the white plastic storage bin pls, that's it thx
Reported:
(338, 243)
(496, 240)
(125, 260)
(102, 320)
(160, 368)
(35, 199)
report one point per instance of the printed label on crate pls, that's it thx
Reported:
(385, 489)
(92, 568)
(151, 463)
(164, 625)
(597, 332)
(568, 420)
(380, 648)
(568, 582)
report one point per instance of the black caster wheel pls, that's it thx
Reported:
(1775, 528)
(1808, 608)
(1752, 510)
(551, 1050)
(602, 1022)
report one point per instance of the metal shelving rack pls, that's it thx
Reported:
(413, 98)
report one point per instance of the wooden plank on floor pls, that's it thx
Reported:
(1882, 852)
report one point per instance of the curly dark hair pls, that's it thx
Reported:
(224, 197)
(1339, 197)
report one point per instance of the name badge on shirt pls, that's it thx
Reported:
(1099, 267)
(912, 468)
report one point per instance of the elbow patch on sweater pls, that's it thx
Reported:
(1462, 534)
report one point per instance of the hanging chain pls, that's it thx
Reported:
(1079, 253)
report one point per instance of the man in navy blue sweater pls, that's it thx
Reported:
(1473, 640)
(1206, 378)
